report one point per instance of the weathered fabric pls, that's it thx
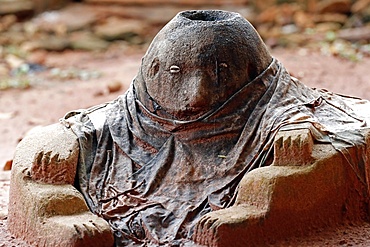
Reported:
(152, 178)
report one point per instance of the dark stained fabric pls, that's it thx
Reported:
(152, 178)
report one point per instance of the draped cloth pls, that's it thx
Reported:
(152, 178)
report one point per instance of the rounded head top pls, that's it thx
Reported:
(198, 61)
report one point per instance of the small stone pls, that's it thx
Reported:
(303, 20)
(3, 214)
(268, 15)
(331, 17)
(360, 6)
(114, 86)
(355, 34)
(37, 57)
(334, 6)
(42, 5)
(12, 37)
(279, 14)
(289, 29)
(87, 41)
(30, 28)
(98, 93)
(327, 26)
(120, 29)
(262, 5)
(6, 21)
(52, 43)
(16, 6)
(4, 70)
(7, 115)
(8, 165)
(286, 13)
(13, 61)
(56, 21)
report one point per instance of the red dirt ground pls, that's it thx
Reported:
(50, 98)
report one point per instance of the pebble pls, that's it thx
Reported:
(8, 165)
(114, 86)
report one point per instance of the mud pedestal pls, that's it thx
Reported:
(45, 209)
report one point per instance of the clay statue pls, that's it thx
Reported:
(201, 113)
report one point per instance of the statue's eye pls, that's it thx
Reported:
(154, 68)
(174, 69)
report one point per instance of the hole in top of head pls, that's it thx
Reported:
(210, 15)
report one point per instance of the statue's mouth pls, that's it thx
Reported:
(208, 15)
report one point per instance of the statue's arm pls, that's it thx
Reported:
(259, 192)
(44, 206)
(52, 154)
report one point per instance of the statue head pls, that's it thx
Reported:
(199, 60)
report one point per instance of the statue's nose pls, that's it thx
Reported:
(199, 84)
